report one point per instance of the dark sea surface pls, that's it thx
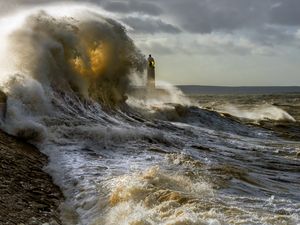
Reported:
(173, 159)
(198, 89)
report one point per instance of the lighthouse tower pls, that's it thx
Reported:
(151, 73)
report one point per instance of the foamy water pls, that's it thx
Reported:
(154, 160)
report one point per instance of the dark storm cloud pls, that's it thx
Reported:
(149, 25)
(132, 6)
(197, 16)
(286, 12)
(251, 17)
(200, 16)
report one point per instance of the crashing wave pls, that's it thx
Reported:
(91, 56)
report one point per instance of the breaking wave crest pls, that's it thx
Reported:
(90, 55)
(259, 113)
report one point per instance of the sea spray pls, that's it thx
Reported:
(91, 56)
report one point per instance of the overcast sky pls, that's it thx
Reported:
(211, 42)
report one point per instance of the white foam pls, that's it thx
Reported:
(258, 113)
(166, 97)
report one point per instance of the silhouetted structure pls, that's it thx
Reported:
(151, 73)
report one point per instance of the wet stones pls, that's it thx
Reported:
(27, 194)
(3, 99)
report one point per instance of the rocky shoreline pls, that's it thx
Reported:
(28, 195)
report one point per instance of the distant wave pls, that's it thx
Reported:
(258, 113)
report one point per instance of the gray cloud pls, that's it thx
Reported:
(132, 6)
(157, 48)
(149, 25)
(10, 6)
(208, 44)
(200, 16)
(286, 12)
(197, 16)
(266, 22)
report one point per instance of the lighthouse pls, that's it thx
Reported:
(151, 73)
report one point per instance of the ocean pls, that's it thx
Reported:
(156, 158)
